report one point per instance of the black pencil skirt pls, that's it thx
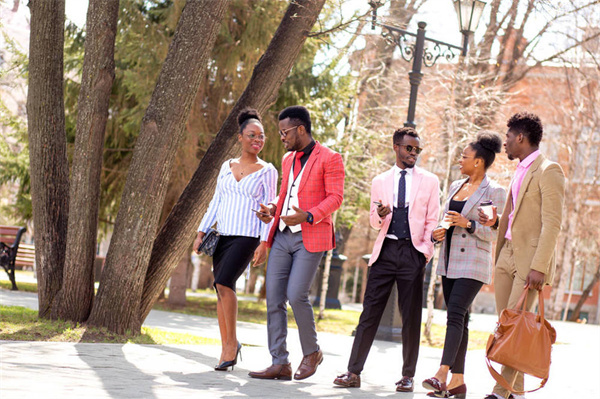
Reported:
(231, 257)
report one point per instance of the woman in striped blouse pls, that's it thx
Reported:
(243, 184)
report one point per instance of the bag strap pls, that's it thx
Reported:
(522, 302)
(502, 381)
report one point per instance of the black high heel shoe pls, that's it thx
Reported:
(224, 366)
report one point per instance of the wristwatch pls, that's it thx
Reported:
(470, 226)
(309, 218)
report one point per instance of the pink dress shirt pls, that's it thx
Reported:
(522, 169)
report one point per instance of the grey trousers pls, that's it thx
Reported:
(290, 273)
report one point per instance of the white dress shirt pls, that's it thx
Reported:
(408, 179)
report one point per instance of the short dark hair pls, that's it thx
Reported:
(529, 125)
(246, 116)
(298, 115)
(404, 131)
(486, 146)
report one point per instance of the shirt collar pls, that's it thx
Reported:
(397, 170)
(529, 160)
(308, 149)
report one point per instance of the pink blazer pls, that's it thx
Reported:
(423, 212)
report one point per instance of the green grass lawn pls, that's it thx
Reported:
(335, 321)
(22, 324)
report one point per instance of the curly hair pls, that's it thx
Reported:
(298, 115)
(486, 146)
(529, 125)
(404, 131)
(246, 116)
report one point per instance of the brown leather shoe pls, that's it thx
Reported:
(274, 372)
(406, 384)
(348, 380)
(309, 365)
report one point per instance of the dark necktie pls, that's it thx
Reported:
(402, 190)
(297, 164)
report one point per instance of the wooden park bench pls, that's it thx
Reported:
(12, 253)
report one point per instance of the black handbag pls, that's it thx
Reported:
(209, 244)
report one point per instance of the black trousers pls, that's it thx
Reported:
(459, 295)
(401, 263)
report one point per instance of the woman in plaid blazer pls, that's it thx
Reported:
(465, 261)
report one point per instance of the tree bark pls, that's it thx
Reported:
(268, 75)
(585, 294)
(77, 293)
(118, 301)
(179, 282)
(49, 167)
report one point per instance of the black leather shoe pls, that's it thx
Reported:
(406, 384)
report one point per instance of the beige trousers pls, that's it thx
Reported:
(508, 287)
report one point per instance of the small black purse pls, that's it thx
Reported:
(209, 244)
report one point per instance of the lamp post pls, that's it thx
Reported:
(469, 12)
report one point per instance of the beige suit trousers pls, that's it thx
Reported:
(508, 287)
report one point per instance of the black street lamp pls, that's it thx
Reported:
(469, 12)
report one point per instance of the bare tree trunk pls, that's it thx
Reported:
(118, 302)
(325, 280)
(585, 294)
(49, 167)
(179, 282)
(76, 296)
(268, 75)
(355, 282)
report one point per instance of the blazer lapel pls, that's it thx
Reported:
(526, 180)
(309, 164)
(452, 193)
(417, 177)
(477, 195)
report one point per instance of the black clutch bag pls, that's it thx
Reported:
(209, 244)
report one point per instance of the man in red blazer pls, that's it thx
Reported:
(404, 208)
(312, 188)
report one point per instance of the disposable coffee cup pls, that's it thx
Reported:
(487, 208)
(444, 224)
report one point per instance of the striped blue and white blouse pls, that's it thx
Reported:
(231, 206)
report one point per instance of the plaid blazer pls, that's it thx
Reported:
(321, 193)
(471, 254)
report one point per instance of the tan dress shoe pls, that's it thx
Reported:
(309, 365)
(274, 372)
(348, 380)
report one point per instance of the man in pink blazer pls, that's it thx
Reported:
(312, 188)
(405, 203)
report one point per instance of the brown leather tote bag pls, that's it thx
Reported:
(523, 341)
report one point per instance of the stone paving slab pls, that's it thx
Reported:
(79, 370)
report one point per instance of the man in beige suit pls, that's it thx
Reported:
(528, 227)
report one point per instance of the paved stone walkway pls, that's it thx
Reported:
(67, 370)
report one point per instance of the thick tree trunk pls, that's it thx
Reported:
(118, 302)
(49, 167)
(267, 77)
(77, 293)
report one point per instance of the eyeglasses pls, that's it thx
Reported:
(283, 133)
(411, 148)
(260, 137)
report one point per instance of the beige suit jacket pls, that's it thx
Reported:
(537, 219)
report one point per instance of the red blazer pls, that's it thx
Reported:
(321, 193)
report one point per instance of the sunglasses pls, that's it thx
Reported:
(283, 133)
(260, 137)
(410, 148)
